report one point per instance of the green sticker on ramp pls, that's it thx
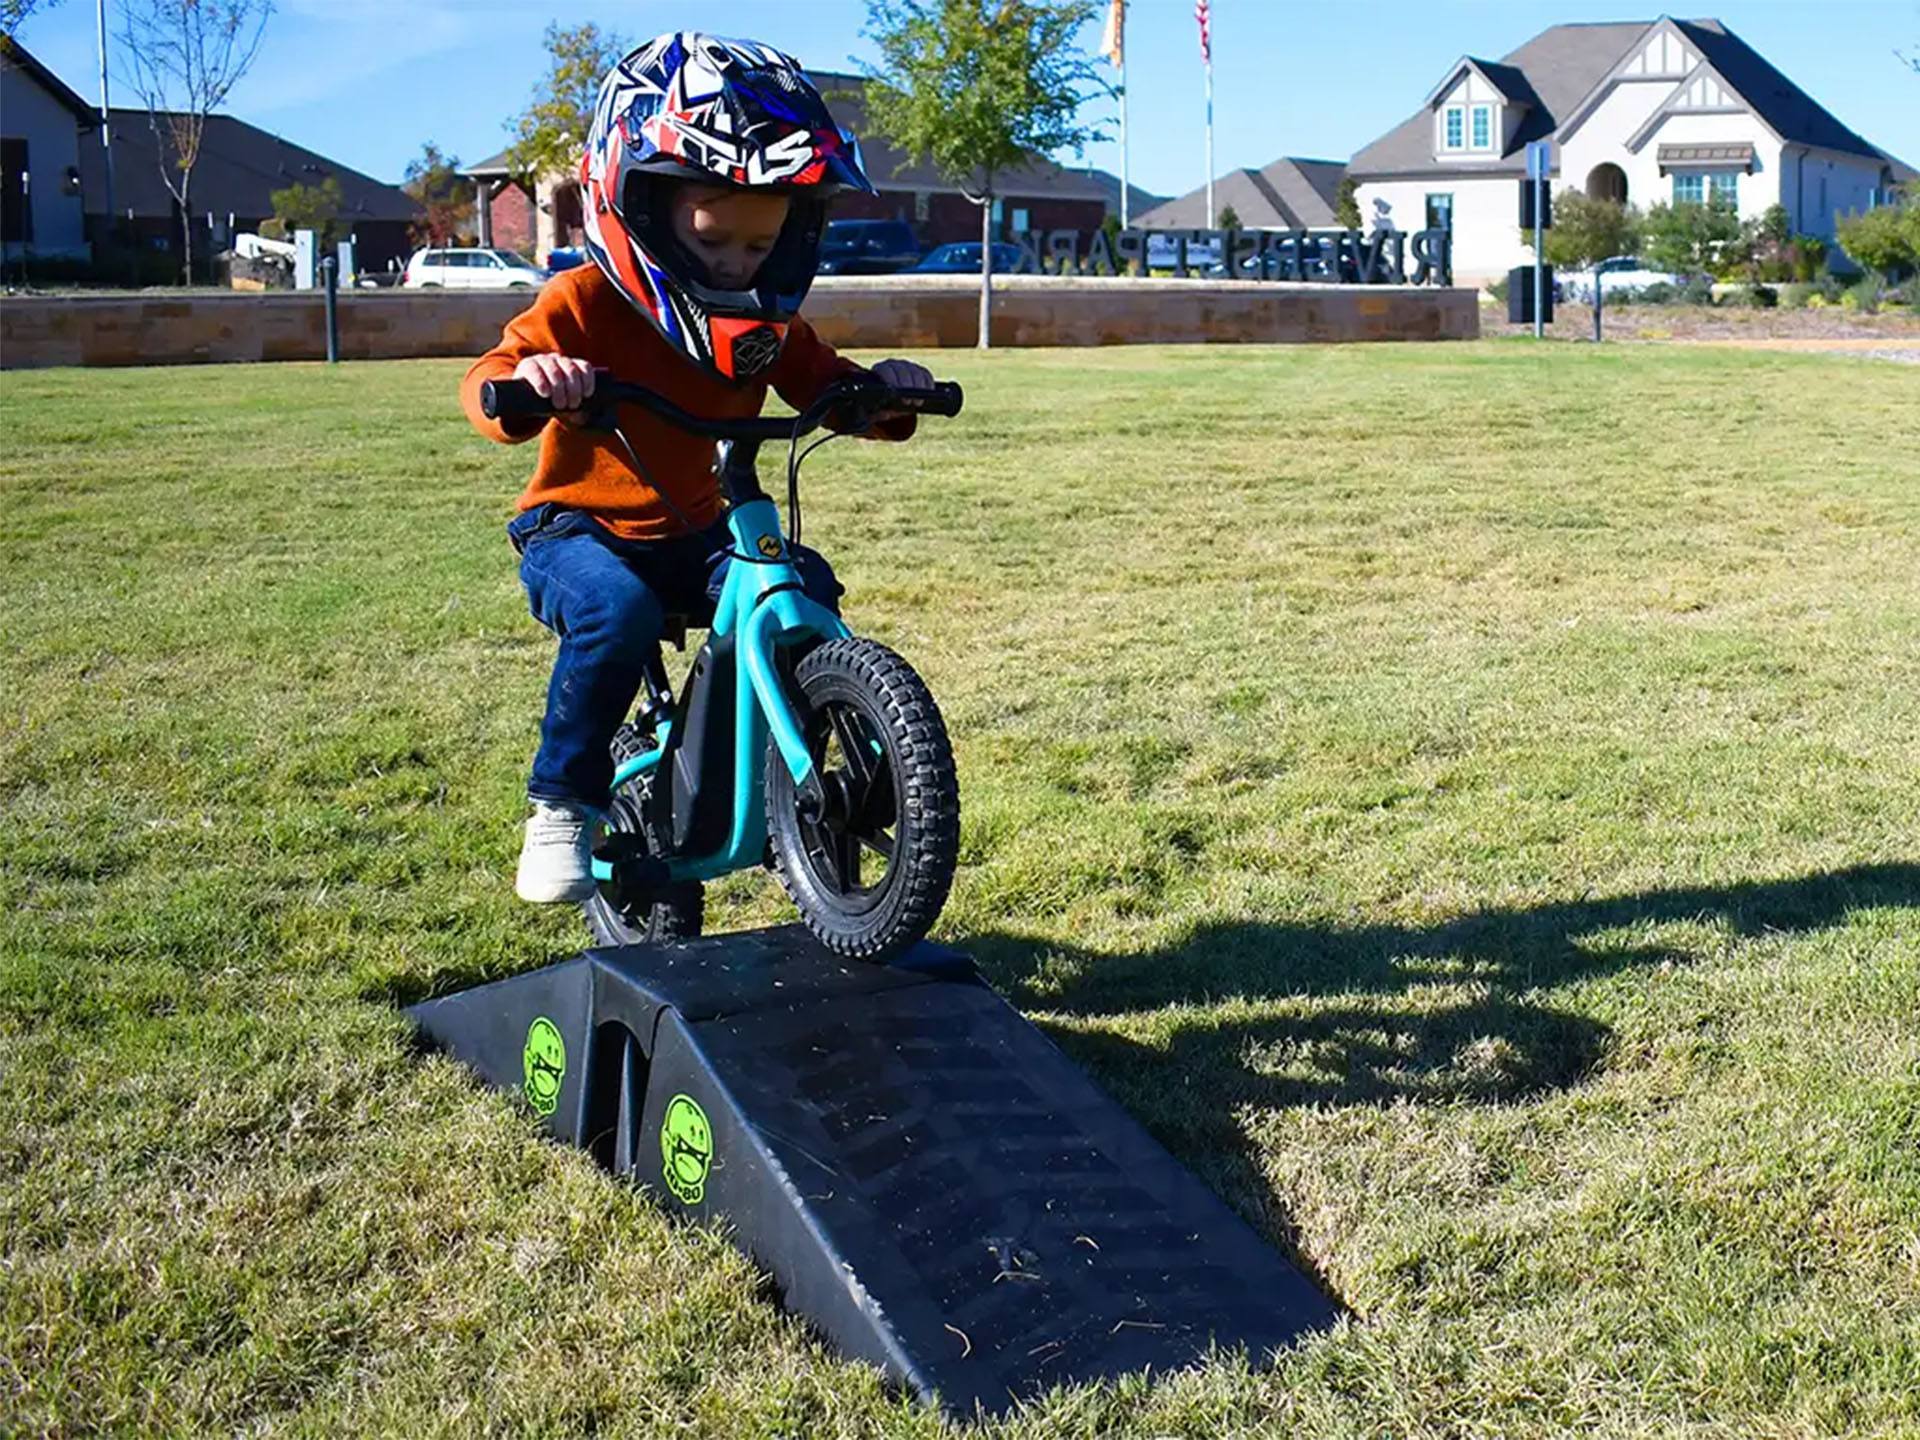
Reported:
(686, 1148)
(544, 1064)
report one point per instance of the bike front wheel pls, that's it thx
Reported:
(871, 871)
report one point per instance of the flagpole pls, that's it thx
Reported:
(1125, 184)
(1212, 217)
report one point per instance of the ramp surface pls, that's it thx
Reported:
(929, 1180)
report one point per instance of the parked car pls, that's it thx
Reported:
(471, 269)
(565, 257)
(868, 247)
(963, 258)
(1624, 275)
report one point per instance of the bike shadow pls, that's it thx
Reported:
(1198, 1038)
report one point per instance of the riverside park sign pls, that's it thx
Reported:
(1329, 257)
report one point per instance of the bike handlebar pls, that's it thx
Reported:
(517, 400)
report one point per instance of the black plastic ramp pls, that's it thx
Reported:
(929, 1180)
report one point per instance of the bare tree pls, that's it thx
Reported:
(185, 56)
(14, 13)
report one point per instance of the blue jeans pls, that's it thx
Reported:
(608, 599)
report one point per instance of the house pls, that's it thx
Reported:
(240, 167)
(1640, 112)
(42, 123)
(1289, 194)
(1039, 196)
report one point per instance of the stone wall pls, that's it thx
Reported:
(881, 312)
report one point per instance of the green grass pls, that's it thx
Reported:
(1463, 799)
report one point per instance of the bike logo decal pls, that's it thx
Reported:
(686, 1148)
(543, 1062)
(770, 546)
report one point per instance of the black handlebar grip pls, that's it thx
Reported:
(510, 400)
(944, 398)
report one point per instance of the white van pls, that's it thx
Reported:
(471, 269)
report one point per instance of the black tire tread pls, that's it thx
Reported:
(928, 789)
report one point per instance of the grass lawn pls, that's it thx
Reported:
(1464, 799)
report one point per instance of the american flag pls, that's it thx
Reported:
(1206, 30)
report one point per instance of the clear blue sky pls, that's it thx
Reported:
(367, 81)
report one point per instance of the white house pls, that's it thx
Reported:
(41, 125)
(1675, 110)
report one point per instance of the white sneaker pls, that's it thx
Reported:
(556, 859)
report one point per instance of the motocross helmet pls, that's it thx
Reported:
(687, 106)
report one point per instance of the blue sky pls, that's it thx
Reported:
(367, 81)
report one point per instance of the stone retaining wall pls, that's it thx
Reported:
(882, 312)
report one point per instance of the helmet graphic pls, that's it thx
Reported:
(687, 106)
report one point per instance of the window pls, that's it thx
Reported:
(16, 206)
(1483, 127)
(1689, 189)
(1724, 185)
(922, 205)
(1456, 127)
(1439, 212)
(1021, 220)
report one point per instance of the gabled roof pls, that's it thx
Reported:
(14, 56)
(1792, 114)
(1559, 66)
(1568, 68)
(1506, 80)
(240, 167)
(1288, 194)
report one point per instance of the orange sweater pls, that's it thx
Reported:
(579, 313)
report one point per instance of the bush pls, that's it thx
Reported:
(1697, 291)
(1658, 293)
(1756, 297)
(1796, 297)
(1498, 289)
(1883, 239)
(1863, 297)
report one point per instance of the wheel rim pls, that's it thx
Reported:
(851, 848)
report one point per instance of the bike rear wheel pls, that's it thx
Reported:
(675, 912)
(870, 873)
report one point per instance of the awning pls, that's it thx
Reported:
(1706, 157)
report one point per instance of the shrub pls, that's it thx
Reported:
(1862, 296)
(1797, 296)
(1883, 239)
(1658, 293)
(1697, 291)
(1757, 297)
(1498, 289)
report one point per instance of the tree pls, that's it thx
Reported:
(1695, 239)
(1586, 231)
(186, 55)
(551, 133)
(445, 197)
(1885, 239)
(14, 13)
(1229, 219)
(310, 207)
(1346, 203)
(980, 87)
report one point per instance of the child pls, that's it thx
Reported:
(704, 184)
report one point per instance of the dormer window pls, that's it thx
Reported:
(1467, 127)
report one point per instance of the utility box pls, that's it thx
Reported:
(306, 259)
(1520, 296)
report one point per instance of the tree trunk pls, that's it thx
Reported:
(986, 269)
(186, 224)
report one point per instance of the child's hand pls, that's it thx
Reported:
(566, 381)
(904, 375)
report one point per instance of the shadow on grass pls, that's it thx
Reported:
(1372, 1023)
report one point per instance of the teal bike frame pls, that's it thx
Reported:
(761, 608)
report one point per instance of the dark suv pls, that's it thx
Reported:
(868, 247)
